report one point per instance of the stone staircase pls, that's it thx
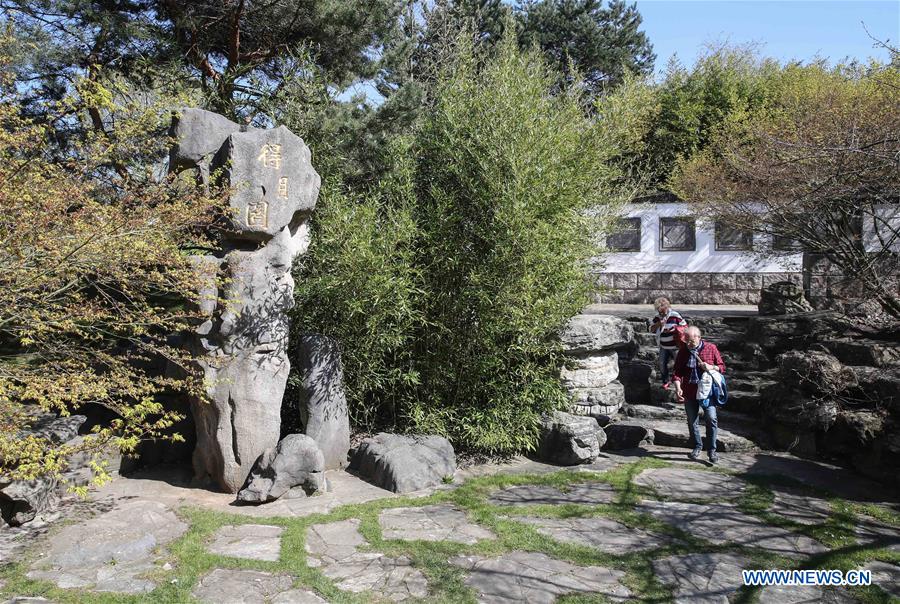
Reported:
(651, 413)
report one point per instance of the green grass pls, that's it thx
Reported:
(190, 560)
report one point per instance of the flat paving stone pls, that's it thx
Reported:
(333, 547)
(683, 483)
(600, 533)
(701, 578)
(807, 594)
(111, 551)
(536, 578)
(250, 587)
(252, 541)
(803, 509)
(441, 522)
(590, 493)
(723, 523)
(886, 576)
(876, 534)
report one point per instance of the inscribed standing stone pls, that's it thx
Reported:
(242, 346)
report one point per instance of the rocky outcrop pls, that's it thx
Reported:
(590, 342)
(22, 500)
(569, 439)
(321, 401)
(295, 462)
(246, 287)
(782, 298)
(404, 463)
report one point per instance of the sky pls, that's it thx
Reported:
(785, 30)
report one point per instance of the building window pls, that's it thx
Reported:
(730, 239)
(677, 235)
(785, 244)
(627, 238)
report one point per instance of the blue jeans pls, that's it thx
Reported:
(665, 355)
(692, 408)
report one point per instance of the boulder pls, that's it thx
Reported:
(295, 461)
(595, 333)
(595, 371)
(814, 371)
(863, 352)
(198, 136)
(22, 500)
(569, 439)
(322, 402)
(627, 435)
(782, 298)
(402, 463)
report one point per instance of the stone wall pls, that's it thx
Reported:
(688, 288)
(826, 286)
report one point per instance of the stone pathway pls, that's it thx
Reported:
(333, 548)
(723, 523)
(600, 533)
(682, 483)
(125, 547)
(536, 578)
(251, 541)
(431, 523)
(251, 587)
(590, 493)
(110, 552)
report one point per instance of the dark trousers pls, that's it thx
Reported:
(692, 408)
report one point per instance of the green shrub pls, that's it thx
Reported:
(449, 284)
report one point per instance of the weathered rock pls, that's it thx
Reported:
(322, 402)
(250, 541)
(441, 522)
(536, 578)
(404, 463)
(814, 371)
(295, 461)
(198, 136)
(569, 439)
(669, 433)
(595, 371)
(242, 346)
(21, 501)
(782, 298)
(598, 401)
(112, 552)
(656, 412)
(595, 333)
(858, 351)
(627, 435)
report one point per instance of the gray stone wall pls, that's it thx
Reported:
(688, 288)
(826, 286)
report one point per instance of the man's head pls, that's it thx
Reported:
(692, 336)
(661, 305)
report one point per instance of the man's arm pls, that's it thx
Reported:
(720, 361)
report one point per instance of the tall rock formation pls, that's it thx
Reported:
(242, 346)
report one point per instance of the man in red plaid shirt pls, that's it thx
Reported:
(695, 357)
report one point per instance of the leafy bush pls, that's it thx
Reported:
(448, 286)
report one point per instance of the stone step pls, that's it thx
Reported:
(668, 433)
(645, 339)
(744, 402)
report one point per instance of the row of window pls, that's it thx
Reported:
(678, 234)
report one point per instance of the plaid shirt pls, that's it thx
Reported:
(708, 354)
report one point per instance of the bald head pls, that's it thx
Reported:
(692, 336)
